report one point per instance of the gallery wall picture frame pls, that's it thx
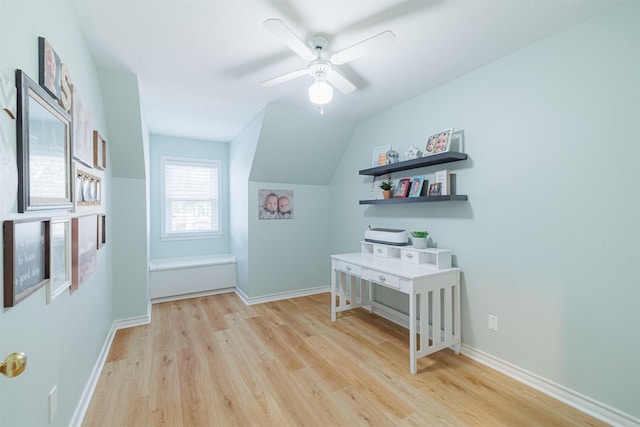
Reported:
(438, 143)
(403, 187)
(26, 258)
(60, 238)
(49, 68)
(84, 249)
(416, 186)
(82, 130)
(87, 189)
(99, 151)
(380, 155)
(102, 230)
(43, 149)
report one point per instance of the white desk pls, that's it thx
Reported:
(434, 295)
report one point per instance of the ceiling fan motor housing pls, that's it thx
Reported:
(319, 68)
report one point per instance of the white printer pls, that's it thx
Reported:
(387, 236)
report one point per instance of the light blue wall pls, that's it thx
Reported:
(196, 149)
(288, 255)
(299, 147)
(128, 144)
(549, 240)
(64, 338)
(241, 155)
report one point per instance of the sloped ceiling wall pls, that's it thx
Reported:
(299, 147)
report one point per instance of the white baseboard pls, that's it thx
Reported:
(89, 389)
(572, 398)
(281, 295)
(192, 295)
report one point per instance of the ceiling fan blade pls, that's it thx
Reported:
(284, 33)
(379, 41)
(284, 78)
(340, 82)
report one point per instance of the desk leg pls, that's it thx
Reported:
(333, 293)
(412, 333)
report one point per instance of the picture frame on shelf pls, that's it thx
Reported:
(416, 186)
(434, 189)
(26, 258)
(380, 156)
(444, 178)
(83, 249)
(49, 68)
(60, 238)
(43, 149)
(403, 187)
(99, 151)
(438, 143)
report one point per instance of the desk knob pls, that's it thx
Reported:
(382, 278)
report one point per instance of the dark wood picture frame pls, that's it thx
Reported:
(27, 259)
(434, 189)
(403, 187)
(43, 149)
(99, 151)
(102, 230)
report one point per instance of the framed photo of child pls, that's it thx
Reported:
(438, 143)
(403, 187)
(416, 187)
(434, 189)
(275, 204)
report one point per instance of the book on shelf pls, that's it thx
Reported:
(444, 178)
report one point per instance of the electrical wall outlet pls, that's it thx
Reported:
(493, 323)
(53, 403)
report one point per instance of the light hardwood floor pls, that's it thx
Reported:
(215, 362)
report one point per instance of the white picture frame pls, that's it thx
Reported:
(380, 156)
(60, 258)
(437, 143)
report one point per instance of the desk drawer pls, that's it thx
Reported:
(385, 279)
(354, 270)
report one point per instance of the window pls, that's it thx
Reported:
(190, 190)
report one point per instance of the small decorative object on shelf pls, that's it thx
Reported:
(392, 157)
(419, 239)
(412, 153)
(444, 179)
(438, 143)
(386, 186)
(403, 187)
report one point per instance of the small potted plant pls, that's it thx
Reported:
(419, 239)
(386, 186)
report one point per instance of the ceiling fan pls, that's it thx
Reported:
(320, 68)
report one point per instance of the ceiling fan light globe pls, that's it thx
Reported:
(320, 93)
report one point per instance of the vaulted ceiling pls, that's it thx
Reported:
(200, 62)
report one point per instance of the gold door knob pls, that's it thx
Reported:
(13, 365)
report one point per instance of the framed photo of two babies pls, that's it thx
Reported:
(438, 143)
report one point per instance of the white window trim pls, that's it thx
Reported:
(164, 236)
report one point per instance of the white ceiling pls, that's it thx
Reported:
(200, 62)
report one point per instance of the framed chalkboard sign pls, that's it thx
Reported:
(26, 258)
